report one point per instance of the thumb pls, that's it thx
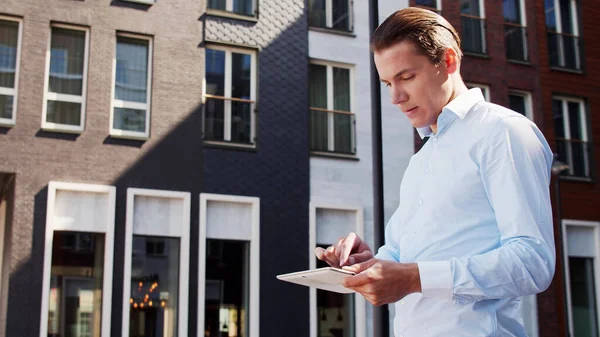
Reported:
(359, 267)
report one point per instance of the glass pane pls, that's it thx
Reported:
(575, 126)
(335, 312)
(578, 163)
(472, 35)
(343, 131)
(240, 75)
(67, 52)
(63, 113)
(515, 41)
(570, 49)
(217, 4)
(317, 16)
(470, 7)
(559, 123)
(129, 120)
(318, 86)
(9, 35)
(227, 288)
(243, 7)
(6, 106)
(512, 11)
(154, 300)
(240, 122)
(341, 89)
(427, 3)
(583, 295)
(214, 119)
(553, 48)
(76, 275)
(550, 15)
(215, 72)
(566, 16)
(517, 103)
(319, 130)
(132, 70)
(341, 15)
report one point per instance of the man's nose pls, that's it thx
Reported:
(399, 96)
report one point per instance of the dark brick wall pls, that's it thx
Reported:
(171, 159)
(278, 171)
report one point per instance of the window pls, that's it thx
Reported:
(332, 122)
(11, 32)
(230, 96)
(78, 260)
(228, 292)
(472, 19)
(333, 14)
(562, 25)
(130, 110)
(520, 101)
(485, 90)
(582, 265)
(515, 30)
(243, 7)
(157, 255)
(434, 5)
(333, 314)
(67, 60)
(571, 130)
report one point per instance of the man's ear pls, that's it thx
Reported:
(451, 60)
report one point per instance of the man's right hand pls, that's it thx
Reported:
(346, 252)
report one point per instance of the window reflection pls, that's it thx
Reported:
(227, 288)
(154, 287)
(76, 275)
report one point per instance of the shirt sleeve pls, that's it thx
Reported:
(515, 170)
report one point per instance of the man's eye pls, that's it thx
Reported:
(408, 78)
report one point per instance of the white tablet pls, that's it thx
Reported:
(327, 278)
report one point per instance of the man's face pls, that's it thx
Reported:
(418, 87)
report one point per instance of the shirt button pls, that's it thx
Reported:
(414, 234)
(420, 202)
(435, 139)
(427, 170)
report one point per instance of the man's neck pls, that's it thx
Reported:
(458, 88)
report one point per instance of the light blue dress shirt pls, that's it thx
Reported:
(475, 215)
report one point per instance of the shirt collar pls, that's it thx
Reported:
(459, 107)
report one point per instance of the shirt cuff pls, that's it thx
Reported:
(436, 279)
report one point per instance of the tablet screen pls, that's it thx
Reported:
(327, 278)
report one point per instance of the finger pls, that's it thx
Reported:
(351, 242)
(356, 281)
(359, 257)
(320, 253)
(331, 257)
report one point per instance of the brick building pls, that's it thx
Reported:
(537, 57)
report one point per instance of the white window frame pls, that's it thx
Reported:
(117, 103)
(559, 29)
(107, 230)
(359, 301)
(330, 102)
(484, 87)
(595, 226)
(229, 7)
(483, 30)
(528, 101)
(66, 97)
(182, 232)
(329, 14)
(524, 26)
(14, 91)
(254, 307)
(438, 5)
(567, 130)
(227, 117)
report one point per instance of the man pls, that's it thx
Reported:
(473, 231)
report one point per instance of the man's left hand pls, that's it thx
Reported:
(382, 282)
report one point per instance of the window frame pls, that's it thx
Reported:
(14, 92)
(359, 301)
(107, 230)
(331, 151)
(48, 126)
(329, 17)
(576, 25)
(229, 10)
(145, 2)
(184, 252)
(227, 114)
(523, 25)
(482, 18)
(254, 287)
(115, 103)
(527, 95)
(595, 227)
(437, 9)
(484, 88)
(584, 120)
